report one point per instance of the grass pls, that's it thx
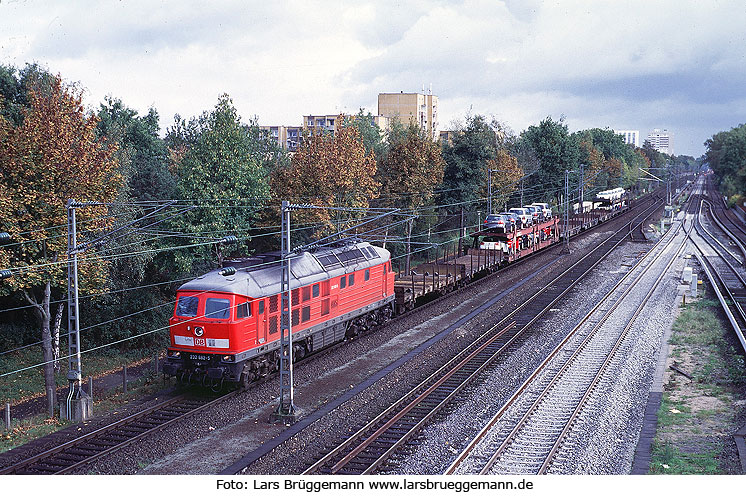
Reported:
(30, 383)
(670, 460)
(29, 429)
(692, 441)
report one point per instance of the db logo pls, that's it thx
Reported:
(199, 342)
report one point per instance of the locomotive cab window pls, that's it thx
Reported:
(343, 282)
(315, 290)
(351, 278)
(217, 308)
(187, 306)
(260, 310)
(243, 310)
(306, 293)
(367, 274)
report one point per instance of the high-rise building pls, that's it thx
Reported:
(661, 140)
(630, 136)
(421, 109)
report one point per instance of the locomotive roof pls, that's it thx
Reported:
(263, 279)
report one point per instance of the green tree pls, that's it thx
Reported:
(222, 167)
(370, 133)
(53, 155)
(466, 160)
(726, 155)
(555, 150)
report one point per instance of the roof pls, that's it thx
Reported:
(256, 279)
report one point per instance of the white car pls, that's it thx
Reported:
(523, 215)
(545, 209)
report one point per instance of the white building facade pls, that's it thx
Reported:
(630, 136)
(661, 140)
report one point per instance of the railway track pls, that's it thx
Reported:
(726, 219)
(724, 271)
(368, 449)
(525, 436)
(87, 448)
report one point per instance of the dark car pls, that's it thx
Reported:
(499, 222)
(513, 218)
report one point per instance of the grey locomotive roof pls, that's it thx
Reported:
(305, 268)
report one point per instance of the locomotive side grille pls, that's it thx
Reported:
(296, 296)
(273, 304)
(273, 325)
(296, 317)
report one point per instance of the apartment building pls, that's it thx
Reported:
(287, 137)
(421, 109)
(661, 140)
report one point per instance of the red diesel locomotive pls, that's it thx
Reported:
(226, 324)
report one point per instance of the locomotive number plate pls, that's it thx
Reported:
(196, 356)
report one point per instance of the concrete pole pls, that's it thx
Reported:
(7, 417)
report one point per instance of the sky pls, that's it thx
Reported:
(636, 65)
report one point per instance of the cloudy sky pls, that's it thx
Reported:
(619, 64)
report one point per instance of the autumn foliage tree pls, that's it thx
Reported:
(53, 155)
(330, 171)
(409, 174)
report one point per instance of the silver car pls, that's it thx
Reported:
(523, 215)
(545, 209)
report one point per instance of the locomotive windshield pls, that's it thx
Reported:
(217, 308)
(187, 306)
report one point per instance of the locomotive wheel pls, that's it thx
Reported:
(246, 377)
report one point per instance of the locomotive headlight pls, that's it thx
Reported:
(229, 358)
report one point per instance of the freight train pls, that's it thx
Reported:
(226, 324)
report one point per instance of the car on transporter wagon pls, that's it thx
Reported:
(524, 215)
(536, 214)
(499, 223)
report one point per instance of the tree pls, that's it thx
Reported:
(466, 160)
(142, 157)
(506, 177)
(556, 151)
(409, 174)
(222, 167)
(142, 154)
(53, 155)
(330, 171)
(369, 131)
(726, 155)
